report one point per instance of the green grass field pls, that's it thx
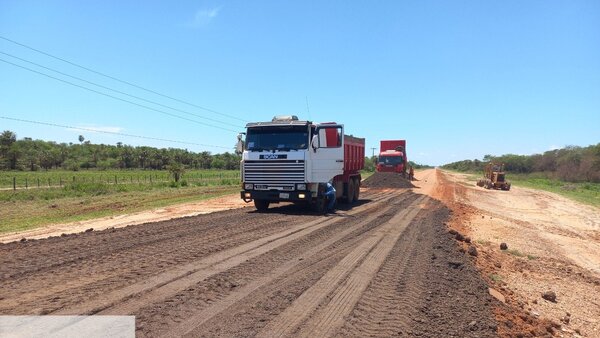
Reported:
(94, 194)
(34, 179)
(587, 192)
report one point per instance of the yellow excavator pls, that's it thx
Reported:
(494, 177)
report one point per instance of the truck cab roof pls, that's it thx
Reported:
(278, 123)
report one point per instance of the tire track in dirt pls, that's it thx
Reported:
(371, 253)
(48, 290)
(87, 246)
(331, 318)
(248, 315)
(187, 328)
(387, 306)
(27, 293)
(131, 298)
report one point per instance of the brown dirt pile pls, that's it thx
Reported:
(387, 180)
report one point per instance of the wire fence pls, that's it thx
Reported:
(14, 182)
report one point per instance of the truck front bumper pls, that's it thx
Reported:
(276, 196)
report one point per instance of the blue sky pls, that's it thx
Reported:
(456, 79)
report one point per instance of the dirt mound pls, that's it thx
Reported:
(387, 180)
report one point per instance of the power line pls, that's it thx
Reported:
(117, 91)
(117, 98)
(110, 132)
(119, 80)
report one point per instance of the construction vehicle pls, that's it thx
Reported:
(392, 157)
(494, 177)
(288, 160)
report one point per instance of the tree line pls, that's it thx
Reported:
(32, 155)
(570, 164)
(29, 154)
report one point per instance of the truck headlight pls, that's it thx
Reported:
(301, 186)
(248, 186)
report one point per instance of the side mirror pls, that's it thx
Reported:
(315, 143)
(239, 147)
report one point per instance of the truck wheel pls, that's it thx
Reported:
(356, 190)
(319, 205)
(350, 195)
(261, 205)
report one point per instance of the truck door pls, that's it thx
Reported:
(328, 157)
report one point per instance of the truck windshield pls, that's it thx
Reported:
(391, 160)
(277, 138)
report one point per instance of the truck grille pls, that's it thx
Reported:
(274, 172)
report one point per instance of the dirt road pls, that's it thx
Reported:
(385, 267)
(226, 202)
(553, 246)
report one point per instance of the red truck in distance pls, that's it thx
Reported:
(392, 157)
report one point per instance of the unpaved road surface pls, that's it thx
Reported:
(226, 202)
(385, 267)
(553, 246)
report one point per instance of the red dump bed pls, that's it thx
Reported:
(354, 154)
(391, 145)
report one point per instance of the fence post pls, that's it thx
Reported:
(115, 179)
(60, 183)
(73, 179)
(26, 186)
(14, 183)
(38, 181)
(48, 182)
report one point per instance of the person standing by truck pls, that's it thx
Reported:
(330, 195)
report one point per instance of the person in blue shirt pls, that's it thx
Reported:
(330, 195)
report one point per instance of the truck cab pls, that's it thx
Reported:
(291, 160)
(392, 157)
(391, 161)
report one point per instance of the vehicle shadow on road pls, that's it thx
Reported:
(303, 210)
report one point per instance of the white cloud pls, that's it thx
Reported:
(553, 147)
(203, 17)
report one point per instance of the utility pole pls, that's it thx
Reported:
(373, 154)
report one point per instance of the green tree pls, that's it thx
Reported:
(177, 170)
(7, 139)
